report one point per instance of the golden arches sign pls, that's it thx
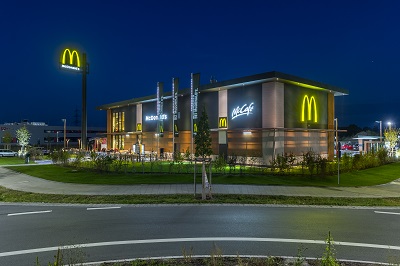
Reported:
(309, 104)
(139, 127)
(71, 63)
(223, 122)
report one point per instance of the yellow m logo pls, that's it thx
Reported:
(161, 129)
(139, 127)
(309, 103)
(223, 122)
(71, 57)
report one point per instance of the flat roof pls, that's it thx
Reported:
(230, 84)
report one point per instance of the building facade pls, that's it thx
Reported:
(255, 116)
(50, 137)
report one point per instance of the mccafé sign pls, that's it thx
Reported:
(243, 110)
(70, 60)
(309, 107)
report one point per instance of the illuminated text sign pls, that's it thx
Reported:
(155, 117)
(244, 110)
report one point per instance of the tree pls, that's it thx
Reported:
(203, 136)
(203, 145)
(7, 139)
(23, 137)
(391, 136)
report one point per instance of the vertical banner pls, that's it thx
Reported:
(160, 99)
(194, 93)
(175, 87)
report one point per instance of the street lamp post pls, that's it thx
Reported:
(380, 130)
(337, 151)
(65, 132)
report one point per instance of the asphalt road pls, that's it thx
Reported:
(101, 233)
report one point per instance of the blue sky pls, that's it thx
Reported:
(132, 45)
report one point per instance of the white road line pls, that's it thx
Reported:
(394, 213)
(102, 208)
(24, 213)
(199, 239)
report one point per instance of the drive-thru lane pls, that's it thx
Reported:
(120, 232)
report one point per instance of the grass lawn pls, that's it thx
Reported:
(368, 177)
(8, 195)
(11, 160)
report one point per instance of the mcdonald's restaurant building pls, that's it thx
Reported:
(262, 115)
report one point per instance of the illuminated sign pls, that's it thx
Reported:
(175, 84)
(70, 63)
(139, 127)
(223, 122)
(309, 103)
(155, 117)
(194, 94)
(244, 110)
(176, 131)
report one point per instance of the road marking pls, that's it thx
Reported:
(199, 239)
(24, 213)
(395, 213)
(102, 208)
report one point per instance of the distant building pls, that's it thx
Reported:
(262, 115)
(49, 137)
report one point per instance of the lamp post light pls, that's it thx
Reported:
(380, 130)
(390, 125)
(337, 150)
(65, 132)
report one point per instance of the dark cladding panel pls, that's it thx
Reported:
(245, 107)
(167, 110)
(209, 100)
(305, 108)
(130, 118)
(184, 114)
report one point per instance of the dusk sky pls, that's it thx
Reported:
(132, 45)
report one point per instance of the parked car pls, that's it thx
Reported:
(8, 153)
(347, 146)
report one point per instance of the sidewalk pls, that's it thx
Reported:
(22, 182)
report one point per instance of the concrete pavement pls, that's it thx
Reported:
(22, 182)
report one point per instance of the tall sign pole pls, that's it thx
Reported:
(194, 92)
(84, 114)
(70, 61)
(160, 124)
(175, 132)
